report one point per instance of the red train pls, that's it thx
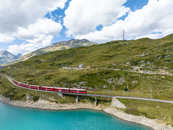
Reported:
(51, 89)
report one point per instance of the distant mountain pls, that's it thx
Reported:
(6, 57)
(74, 43)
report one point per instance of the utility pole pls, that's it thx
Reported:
(123, 35)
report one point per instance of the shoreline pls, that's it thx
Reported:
(46, 105)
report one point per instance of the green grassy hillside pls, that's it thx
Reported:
(140, 68)
(107, 68)
(152, 54)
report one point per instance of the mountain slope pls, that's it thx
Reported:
(74, 43)
(6, 57)
(147, 53)
(111, 66)
(139, 68)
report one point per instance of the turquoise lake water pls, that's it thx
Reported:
(14, 118)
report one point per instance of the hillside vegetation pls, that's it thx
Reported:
(140, 68)
(107, 68)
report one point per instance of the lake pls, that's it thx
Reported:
(15, 118)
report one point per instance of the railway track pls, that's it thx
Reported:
(105, 96)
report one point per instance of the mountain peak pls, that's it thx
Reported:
(79, 40)
(5, 52)
(6, 57)
(73, 43)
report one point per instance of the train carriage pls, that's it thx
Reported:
(50, 89)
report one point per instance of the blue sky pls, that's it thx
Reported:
(58, 16)
(135, 4)
(80, 19)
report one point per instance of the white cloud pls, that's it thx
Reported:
(35, 44)
(84, 16)
(24, 19)
(21, 13)
(36, 35)
(41, 27)
(154, 20)
(5, 38)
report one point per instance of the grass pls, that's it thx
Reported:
(14, 93)
(101, 77)
(152, 54)
(104, 82)
(149, 54)
(153, 110)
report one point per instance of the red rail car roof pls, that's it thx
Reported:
(48, 87)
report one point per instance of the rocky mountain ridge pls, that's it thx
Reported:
(74, 43)
(6, 57)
